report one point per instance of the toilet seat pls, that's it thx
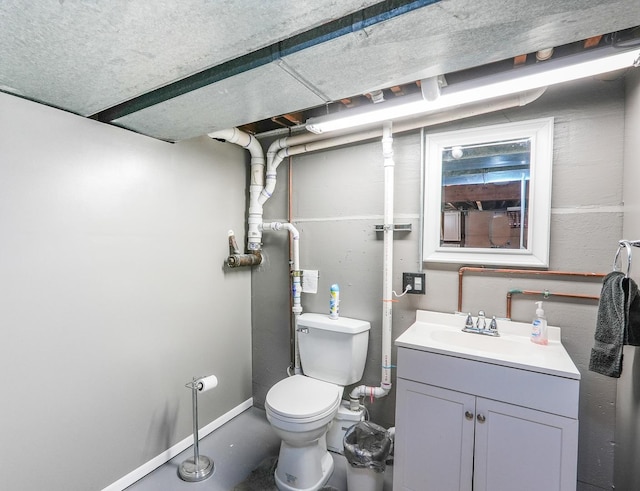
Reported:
(300, 399)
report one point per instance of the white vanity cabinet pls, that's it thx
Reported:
(468, 422)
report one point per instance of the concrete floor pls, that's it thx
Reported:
(236, 448)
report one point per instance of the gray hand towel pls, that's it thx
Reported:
(632, 331)
(618, 323)
(606, 354)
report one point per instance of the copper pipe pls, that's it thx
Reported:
(462, 270)
(545, 294)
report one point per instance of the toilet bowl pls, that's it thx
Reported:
(301, 408)
(301, 422)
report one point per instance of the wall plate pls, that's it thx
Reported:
(415, 281)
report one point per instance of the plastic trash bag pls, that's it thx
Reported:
(367, 446)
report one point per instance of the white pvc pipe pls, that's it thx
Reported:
(233, 135)
(387, 274)
(523, 211)
(311, 142)
(366, 391)
(296, 287)
(295, 235)
(387, 265)
(257, 196)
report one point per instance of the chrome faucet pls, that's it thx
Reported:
(481, 318)
(481, 325)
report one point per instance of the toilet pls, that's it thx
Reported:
(301, 408)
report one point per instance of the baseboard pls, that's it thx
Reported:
(170, 453)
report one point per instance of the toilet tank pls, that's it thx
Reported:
(333, 350)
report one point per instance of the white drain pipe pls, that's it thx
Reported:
(258, 195)
(245, 140)
(387, 276)
(295, 235)
(296, 287)
(310, 142)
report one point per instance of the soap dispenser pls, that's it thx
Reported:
(539, 327)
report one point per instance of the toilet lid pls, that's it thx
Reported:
(302, 397)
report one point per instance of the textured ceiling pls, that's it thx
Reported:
(176, 70)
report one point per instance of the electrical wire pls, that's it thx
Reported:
(406, 290)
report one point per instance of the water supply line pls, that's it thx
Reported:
(523, 272)
(546, 294)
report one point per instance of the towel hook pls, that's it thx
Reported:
(627, 245)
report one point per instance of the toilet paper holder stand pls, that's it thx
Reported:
(200, 467)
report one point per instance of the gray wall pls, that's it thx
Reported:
(112, 295)
(627, 472)
(338, 198)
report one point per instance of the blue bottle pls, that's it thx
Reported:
(334, 301)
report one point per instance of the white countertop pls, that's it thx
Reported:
(441, 333)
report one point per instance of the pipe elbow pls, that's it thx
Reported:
(373, 392)
(295, 235)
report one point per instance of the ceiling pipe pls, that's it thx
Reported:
(430, 88)
(311, 142)
(524, 98)
(544, 54)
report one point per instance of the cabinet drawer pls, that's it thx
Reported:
(549, 393)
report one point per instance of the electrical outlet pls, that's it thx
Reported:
(415, 282)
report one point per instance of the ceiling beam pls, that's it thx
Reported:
(349, 24)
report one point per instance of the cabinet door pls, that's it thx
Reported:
(523, 449)
(434, 438)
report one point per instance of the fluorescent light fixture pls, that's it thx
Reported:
(565, 69)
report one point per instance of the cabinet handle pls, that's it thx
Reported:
(481, 418)
(468, 415)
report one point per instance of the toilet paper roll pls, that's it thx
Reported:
(207, 383)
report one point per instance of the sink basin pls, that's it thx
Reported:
(505, 344)
(442, 333)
